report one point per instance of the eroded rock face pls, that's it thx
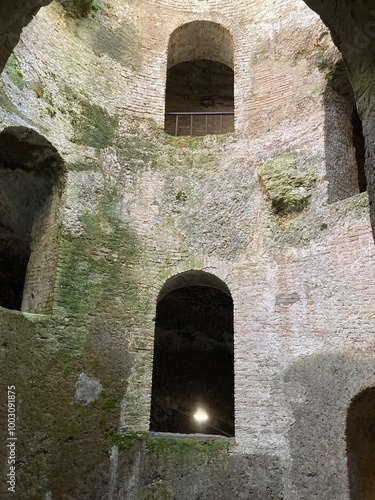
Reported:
(287, 188)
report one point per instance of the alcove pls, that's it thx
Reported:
(193, 366)
(31, 178)
(360, 435)
(344, 140)
(200, 80)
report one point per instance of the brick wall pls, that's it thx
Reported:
(301, 283)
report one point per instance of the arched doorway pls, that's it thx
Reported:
(193, 368)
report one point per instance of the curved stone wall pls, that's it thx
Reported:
(251, 208)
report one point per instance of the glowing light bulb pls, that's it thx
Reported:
(200, 415)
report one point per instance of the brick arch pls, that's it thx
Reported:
(199, 97)
(344, 142)
(200, 40)
(192, 278)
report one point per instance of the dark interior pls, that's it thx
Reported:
(360, 432)
(200, 86)
(193, 362)
(27, 174)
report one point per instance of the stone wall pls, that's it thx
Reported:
(352, 27)
(251, 208)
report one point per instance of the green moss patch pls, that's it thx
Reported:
(13, 70)
(288, 188)
(93, 125)
(77, 8)
(185, 446)
(6, 104)
(182, 446)
(127, 441)
(104, 256)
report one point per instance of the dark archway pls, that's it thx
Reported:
(31, 173)
(360, 435)
(193, 369)
(200, 80)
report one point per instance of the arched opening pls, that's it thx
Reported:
(30, 181)
(193, 367)
(360, 435)
(200, 80)
(344, 140)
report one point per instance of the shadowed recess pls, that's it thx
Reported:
(360, 435)
(344, 140)
(29, 170)
(200, 80)
(193, 370)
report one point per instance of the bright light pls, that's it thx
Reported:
(200, 415)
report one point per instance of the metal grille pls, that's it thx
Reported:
(199, 123)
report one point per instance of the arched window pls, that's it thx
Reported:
(200, 80)
(193, 368)
(344, 140)
(30, 182)
(360, 435)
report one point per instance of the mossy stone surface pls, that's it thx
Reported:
(288, 188)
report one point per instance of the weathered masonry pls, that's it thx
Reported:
(200, 81)
(186, 250)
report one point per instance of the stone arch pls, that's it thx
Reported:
(344, 141)
(14, 16)
(200, 40)
(193, 366)
(360, 436)
(31, 181)
(200, 80)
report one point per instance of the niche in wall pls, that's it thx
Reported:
(193, 366)
(344, 141)
(31, 178)
(200, 80)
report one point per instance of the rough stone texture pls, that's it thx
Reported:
(288, 189)
(167, 470)
(352, 24)
(76, 8)
(341, 162)
(88, 389)
(141, 207)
